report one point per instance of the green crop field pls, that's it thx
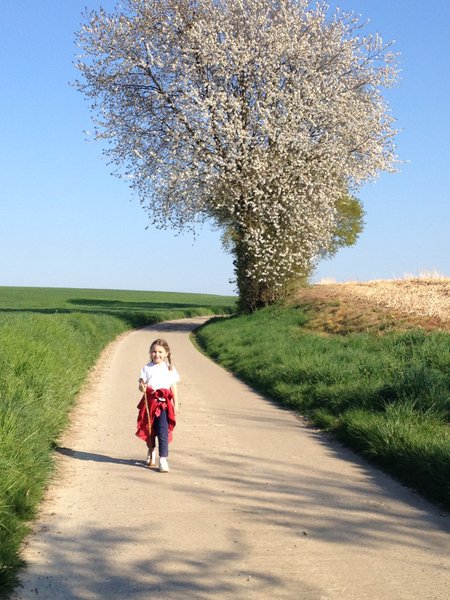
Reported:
(49, 340)
(134, 307)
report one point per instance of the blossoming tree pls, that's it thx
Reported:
(261, 115)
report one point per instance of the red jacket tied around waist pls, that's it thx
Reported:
(157, 401)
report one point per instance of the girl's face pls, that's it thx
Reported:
(158, 354)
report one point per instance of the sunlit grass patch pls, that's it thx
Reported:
(412, 445)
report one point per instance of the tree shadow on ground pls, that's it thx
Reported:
(131, 305)
(96, 564)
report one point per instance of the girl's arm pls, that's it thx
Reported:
(173, 387)
(142, 385)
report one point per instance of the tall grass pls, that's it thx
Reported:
(49, 339)
(43, 363)
(388, 396)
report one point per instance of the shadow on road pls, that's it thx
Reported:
(99, 458)
(245, 490)
(184, 325)
(99, 571)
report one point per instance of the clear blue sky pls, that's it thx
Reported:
(66, 222)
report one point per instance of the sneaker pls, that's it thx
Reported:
(151, 458)
(163, 465)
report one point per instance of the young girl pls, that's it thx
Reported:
(159, 404)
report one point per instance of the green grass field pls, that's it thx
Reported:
(388, 396)
(134, 307)
(49, 340)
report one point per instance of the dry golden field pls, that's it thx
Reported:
(379, 305)
(426, 297)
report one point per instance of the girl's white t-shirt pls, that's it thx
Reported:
(158, 376)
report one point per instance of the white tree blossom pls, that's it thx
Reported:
(258, 114)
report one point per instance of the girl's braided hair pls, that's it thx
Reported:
(165, 345)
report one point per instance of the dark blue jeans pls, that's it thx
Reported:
(161, 429)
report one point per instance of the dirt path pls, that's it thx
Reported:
(256, 506)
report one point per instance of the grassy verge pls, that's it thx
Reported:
(49, 340)
(44, 361)
(387, 395)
